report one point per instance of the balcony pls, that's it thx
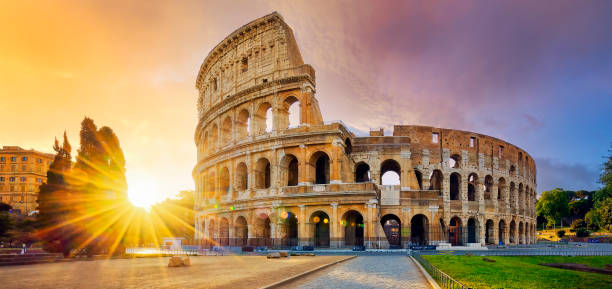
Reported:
(328, 188)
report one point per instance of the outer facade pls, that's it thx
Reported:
(21, 173)
(261, 180)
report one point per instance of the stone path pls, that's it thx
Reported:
(366, 272)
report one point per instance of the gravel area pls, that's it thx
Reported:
(366, 272)
(205, 272)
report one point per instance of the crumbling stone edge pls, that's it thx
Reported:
(300, 275)
(430, 280)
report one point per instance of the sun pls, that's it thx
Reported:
(142, 192)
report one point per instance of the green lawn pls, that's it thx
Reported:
(522, 272)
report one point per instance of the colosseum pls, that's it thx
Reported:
(271, 172)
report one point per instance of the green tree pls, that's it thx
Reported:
(553, 205)
(54, 203)
(606, 174)
(6, 223)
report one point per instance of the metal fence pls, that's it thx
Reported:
(441, 278)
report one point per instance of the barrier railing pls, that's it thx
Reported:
(441, 278)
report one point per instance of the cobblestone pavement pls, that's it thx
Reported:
(366, 272)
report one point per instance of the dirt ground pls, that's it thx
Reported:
(204, 272)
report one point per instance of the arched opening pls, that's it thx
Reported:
(419, 178)
(455, 184)
(521, 232)
(489, 232)
(502, 232)
(454, 161)
(224, 182)
(243, 124)
(527, 233)
(501, 184)
(512, 196)
(419, 227)
(289, 229)
(226, 131)
(211, 234)
(242, 177)
(362, 173)
(289, 170)
(512, 232)
(204, 145)
(290, 114)
(262, 174)
(224, 232)
(488, 187)
(392, 227)
(263, 230)
(435, 181)
(203, 240)
(472, 183)
(241, 231)
(472, 230)
(455, 232)
(320, 221)
(320, 160)
(512, 170)
(214, 132)
(390, 173)
(353, 228)
(263, 118)
(348, 147)
(212, 187)
(520, 196)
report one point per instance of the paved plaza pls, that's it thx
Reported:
(366, 272)
(205, 272)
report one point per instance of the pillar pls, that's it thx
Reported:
(334, 231)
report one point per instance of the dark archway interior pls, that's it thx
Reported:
(489, 232)
(392, 227)
(321, 229)
(362, 173)
(322, 169)
(292, 174)
(472, 232)
(418, 230)
(454, 186)
(241, 230)
(455, 232)
(502, 232)
(290, 229)
(419, 177)
(353, 228)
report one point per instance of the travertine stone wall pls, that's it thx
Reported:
(261, 182)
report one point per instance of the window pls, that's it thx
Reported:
(244, 65)
(501, 151)
(2, 159)
(23, 168)
(11, 179)
(1, 179)
(472, 141)
(434, 137)
(39, 180)
(39, 161)
(24, 159)
(215, 83)
(23, 179)
(13, 159)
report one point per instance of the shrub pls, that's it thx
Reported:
(560, 233)
(582, 232)
(577, 224)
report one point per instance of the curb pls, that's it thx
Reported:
(300, 275)
(430, 280)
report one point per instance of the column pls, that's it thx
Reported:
(302, 233)
(335, 235)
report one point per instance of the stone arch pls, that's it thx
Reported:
(211, 233)
(454, 161)
(289, 170)
(419, 230)
(241, 231)
(488, 185)
(490, 232)
(262, 174)
(502, 232)
(512, 170)
(362, 173)
(214, 140)
(455, 186)
(512, 195)
(501, 189)
(527, 233)
(263, 231)
(352, 221)
(419, 177)
(392, 226)
(242, 177)
(243, 123)
(513, 232)
(390, 170)
(455, 231)
(263, 118)
(224, 232)
(204, 144)
(473, 230)
(288, 229)
(224, 181)
(520, 196)
(435, 180)
(348, 146)
(226, 131)
(289, 114)
(320, 167)
(320, 228)
(472, 187)
(521, 233)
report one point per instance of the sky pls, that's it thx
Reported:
(537, 74)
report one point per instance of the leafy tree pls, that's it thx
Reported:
(553, 206)
(560, 233)
(6, 223)
(54, 199)
(5, 207)
(606, 174)
(577, 224)
(592, 220)
(582, 232)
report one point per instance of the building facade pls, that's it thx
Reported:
(21, 173)
(263, 180)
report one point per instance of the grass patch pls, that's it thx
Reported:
(522, 271)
